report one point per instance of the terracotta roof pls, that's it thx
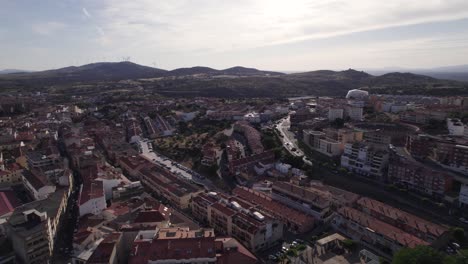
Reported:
(91, 190)
(402, 217)
(379, 227)
(103, 252)
(183, 248)
(8, 202)
(233, 252)
(149, 217)
(275, 208)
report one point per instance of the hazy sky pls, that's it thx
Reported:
(266, 34)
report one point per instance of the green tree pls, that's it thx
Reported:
(418, 255)
(460, 258)
(459, 234)
(349, 244)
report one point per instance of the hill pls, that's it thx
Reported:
(232, 82)
(10, 71)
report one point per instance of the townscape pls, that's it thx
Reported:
(313, 179)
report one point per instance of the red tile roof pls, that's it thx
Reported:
(233, 252)
(402, 217)
(276, 208)
(173, 249)
(8, 202)
(91, 190)
(379, 227)
(103, 252)
(149, 217)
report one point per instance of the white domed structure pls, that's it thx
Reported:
(357, 94)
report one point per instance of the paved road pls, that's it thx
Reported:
(289, 142)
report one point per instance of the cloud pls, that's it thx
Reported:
(47, 28)
(223, 25)
(85, 12)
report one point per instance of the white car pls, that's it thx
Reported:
(463, 220)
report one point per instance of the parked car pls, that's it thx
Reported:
(463, 220)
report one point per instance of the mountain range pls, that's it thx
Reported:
(235, 81)
(456, 72)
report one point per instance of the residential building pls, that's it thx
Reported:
(318, 141)
(32, 228)
(239, 219)
(92, 198)
(335, 113)
(109, 251)
(405, 171)
(416, 226)
(37, 159)
(344, 135)
(37, 184)
(448, 152)
(293, 219)
(163, 182)
(311, 201)
(372, 232)
(8, 203)
(247, 163)
(354, 112)
(174, 245)
(11, 174)
(362, 159)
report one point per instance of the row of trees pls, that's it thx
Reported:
(427, 255)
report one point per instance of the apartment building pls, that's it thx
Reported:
(301, 115)
(178, 191)
(372, 232)
(449, 152)
(174, 245)
(405, 171)
(92, 198)
(237, 166)
(335, 113)
(355, 113)
(344, 135)
(239, 219)
(311, 201)
(318, 141)
(32, 227)
(37, 184)
(11, 174)
(365, 160)
(416, 226)
(37, 159)
(293, 219)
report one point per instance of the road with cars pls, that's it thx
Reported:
(288, 138)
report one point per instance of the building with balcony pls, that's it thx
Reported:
(365, 160)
